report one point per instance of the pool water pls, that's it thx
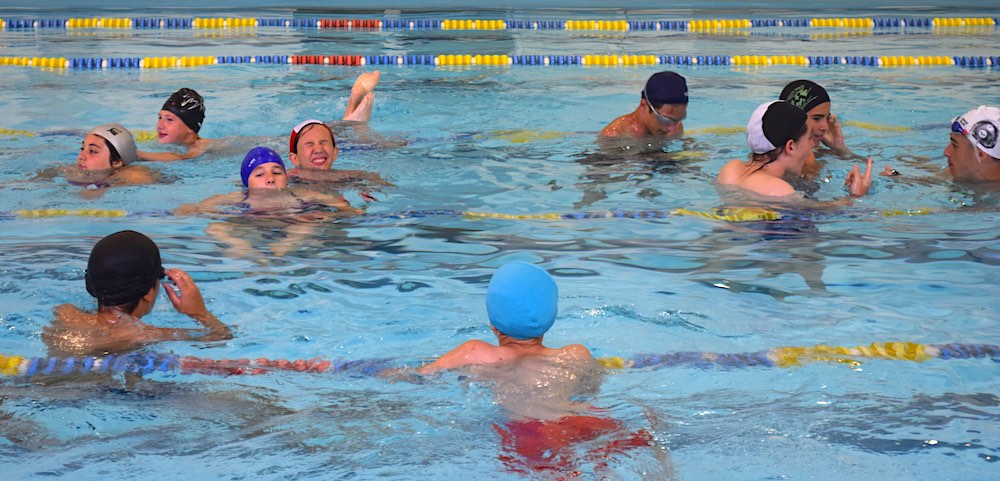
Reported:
(917, 260)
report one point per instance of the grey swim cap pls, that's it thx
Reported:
(121, 139)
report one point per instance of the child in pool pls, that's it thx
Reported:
(267, 206)
(780, 142)
(312, 149)
(544, 424)
(106, 159)
(124, 274)
(179, 122)
(266, 191)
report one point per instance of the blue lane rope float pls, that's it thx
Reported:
(147, 363)
(701, 25)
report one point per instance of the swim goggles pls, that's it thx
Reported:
(957, 128)
(662, 119)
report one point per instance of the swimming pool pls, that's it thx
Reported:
(516, 140)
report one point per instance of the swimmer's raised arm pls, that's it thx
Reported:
(187, 300)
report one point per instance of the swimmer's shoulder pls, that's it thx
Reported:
(69, 315)
(578, 351)
(730, 173)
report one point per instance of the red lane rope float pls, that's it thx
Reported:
(359, 23)
(326, 59)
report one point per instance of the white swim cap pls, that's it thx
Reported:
(121, 139)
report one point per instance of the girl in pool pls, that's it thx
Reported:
(266, 191)
(270, 214)
(105, 160)
(781, 142)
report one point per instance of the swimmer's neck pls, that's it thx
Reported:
(507, 341)
(114, 315)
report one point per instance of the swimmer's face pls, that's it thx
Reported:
(267, 176)
(315, 149)
(668, 120)
(170, 129)
(94, 154)
(818, 120)
(963, 158)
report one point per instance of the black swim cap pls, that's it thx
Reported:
(189, 106)
(666, 88)
(772, 124)
(804, 94)
(122, 268)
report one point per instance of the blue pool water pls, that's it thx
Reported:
(515, 140)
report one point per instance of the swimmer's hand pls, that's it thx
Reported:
(834, 138)
(857, 183)
(187, 297)
(889, 172)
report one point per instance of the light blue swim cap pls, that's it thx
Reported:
(256, 157)
(521, 300)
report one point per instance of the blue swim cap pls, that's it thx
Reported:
(258, 156)
(521, 300)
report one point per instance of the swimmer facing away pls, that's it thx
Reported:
(544, 424)
(124, 275)
(178, 123)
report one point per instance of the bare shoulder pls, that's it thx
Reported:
(768, 185)
(577, 350)
(617, 127)
(730, 173)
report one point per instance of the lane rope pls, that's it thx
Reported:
(784, 357)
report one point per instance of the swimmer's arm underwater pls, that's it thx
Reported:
(209, 205)
(169, 156)
(328, 200)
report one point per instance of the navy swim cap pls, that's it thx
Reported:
(521, 300)
(189, 106)
(804, 94)
(666, 88)
(258, 156)
(122, 268)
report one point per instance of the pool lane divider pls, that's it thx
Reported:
(726, 214)
(785, 357)
(616, 25)
(503, 60)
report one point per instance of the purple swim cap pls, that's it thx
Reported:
(256, 157)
